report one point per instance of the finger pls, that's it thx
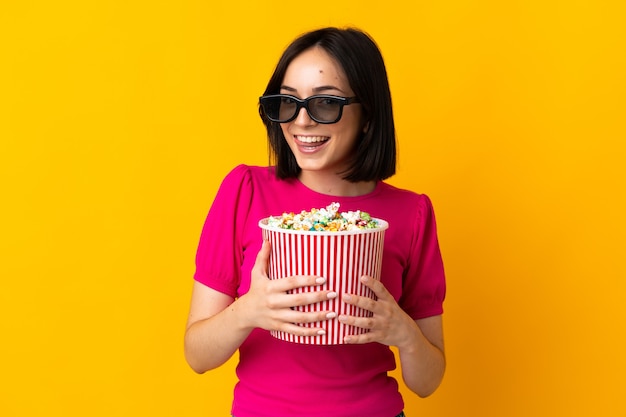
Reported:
(298, 281)
(263, 258)
(375, 285)
(357, 339)
(306, 298)
(365, 303)
(367, 323)
(301, 330)
(309, 317)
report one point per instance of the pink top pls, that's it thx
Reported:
(284, 379)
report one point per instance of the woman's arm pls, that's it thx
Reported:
(218, 324)
(214, 330)
(422, 356)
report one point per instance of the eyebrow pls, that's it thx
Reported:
(319, 89)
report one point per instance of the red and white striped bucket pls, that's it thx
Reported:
(340, 257)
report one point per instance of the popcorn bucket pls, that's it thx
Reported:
(340, 257)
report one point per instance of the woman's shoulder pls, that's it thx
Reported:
(391, 193)
(243, 173)
(243, 170)
(258, 180)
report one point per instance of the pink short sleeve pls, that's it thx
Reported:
(220, 253)
(424, 285)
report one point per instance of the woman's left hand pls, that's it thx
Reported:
(419, 342)
(389, 324)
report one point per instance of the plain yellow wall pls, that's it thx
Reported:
(118, 120)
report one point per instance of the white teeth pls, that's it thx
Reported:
(311, 139)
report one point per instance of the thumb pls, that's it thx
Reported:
(262, 259)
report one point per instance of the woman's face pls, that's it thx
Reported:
(320, 148)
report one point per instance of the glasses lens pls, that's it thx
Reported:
(279, 109)
(287, 108)
(325, 109)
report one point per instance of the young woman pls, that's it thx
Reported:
(327, 109)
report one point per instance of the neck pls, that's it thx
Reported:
(334, 185)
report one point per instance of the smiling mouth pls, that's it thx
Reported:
(311, 140)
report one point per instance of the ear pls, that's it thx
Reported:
(366, 127)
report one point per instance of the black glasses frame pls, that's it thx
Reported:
(300, 103)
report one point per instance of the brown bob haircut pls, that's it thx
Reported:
(375, 152)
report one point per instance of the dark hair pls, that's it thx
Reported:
(375, 154)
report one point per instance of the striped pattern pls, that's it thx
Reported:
(341, 257)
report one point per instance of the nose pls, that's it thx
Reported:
(303, 118)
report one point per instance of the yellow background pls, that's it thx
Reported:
(118, 120)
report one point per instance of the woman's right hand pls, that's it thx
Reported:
(268, 304)
(218, 324)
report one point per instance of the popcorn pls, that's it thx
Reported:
(327, 219)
